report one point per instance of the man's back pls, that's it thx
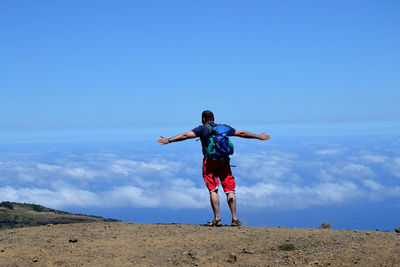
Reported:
(204, 133)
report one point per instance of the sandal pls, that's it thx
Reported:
(215, 223)
(236, 223)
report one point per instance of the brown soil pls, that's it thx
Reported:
(128, 244)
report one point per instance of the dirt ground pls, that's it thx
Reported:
(131, 244)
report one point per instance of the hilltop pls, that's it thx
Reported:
(132, 244)
(15, 215)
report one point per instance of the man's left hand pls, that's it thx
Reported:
(263, 136)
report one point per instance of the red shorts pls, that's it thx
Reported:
(212, 170)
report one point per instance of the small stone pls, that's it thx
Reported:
(73, 240)
(397, 230)
(193, 255)
(232, 258)
(34, 259)
(325, 225)
(2, 250)
(248, 251)
(172, 262)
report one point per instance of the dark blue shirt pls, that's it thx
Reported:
(204, 134)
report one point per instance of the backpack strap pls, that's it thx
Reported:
(209, 127)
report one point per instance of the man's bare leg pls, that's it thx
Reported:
(231, 198)
(214, 199)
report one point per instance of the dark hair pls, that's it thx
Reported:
(207, 116)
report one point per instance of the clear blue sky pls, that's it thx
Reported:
(107, 64)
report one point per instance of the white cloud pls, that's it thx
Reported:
(262, 167)
(122, 196)
(297, 197)
(375, 158)
(325, 176)
(395, 191)
(327, 152)
(133, 165)
(19, 168)
(80, 172)
(8, 193)
(25, 177)
(54, 199)
(186, 198)
(328, 193)
(163, 168)
(180, 183)
(394, 167)
(130, 196)
(373, 185)
(357, 169)
(48, 167)
(350, 170)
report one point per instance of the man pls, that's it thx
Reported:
(214, 169)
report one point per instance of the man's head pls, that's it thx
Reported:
(207, 116)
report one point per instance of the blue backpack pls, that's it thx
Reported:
(220, 146)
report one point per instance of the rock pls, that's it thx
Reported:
(248, 251)
(232, 258)
(73, 240)
(397, 230)
(325, 225)
(174, 262)
(193, 255)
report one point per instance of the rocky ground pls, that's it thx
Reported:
(128, 244)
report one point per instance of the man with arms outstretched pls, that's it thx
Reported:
(214, 169)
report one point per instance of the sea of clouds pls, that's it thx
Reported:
(286, 173)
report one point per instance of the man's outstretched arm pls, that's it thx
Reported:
(180, 137)
(245, 134)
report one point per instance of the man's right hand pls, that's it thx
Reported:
(263, 136)
(163, 140)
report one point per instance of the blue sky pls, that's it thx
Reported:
(103, 64)
(86, 87)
